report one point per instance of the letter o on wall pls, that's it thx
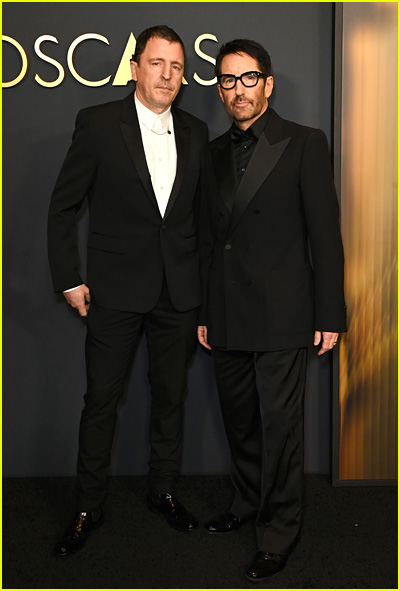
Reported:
(24, 57)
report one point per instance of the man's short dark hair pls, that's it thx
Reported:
(252, 48)
(160, 31)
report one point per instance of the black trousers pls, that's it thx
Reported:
(261, 397)
(112, 339)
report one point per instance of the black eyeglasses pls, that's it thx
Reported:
(228, 81)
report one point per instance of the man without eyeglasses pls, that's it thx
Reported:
(270, 197)
(137, 161)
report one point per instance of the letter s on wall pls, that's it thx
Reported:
(61, 73)
(205, 57)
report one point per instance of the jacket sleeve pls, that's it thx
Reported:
(77, 176)
(322, 218)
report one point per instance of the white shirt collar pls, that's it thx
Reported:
(148, 117)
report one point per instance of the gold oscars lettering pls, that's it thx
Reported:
(205, 57)
(122, 75)
(24, 58)
(46, 58)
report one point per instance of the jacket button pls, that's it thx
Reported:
(228, 246)
(249, 282)
(257, 211)
(163, 227)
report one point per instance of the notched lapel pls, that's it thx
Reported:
(130, 130)
(263, 161)
(182, 140)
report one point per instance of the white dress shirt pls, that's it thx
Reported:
(158, 140)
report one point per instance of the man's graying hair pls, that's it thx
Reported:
(159, 31)
(252, 48)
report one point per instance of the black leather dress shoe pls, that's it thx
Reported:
(174, 512)
(223, 524)
(78, 532)
(264, 565)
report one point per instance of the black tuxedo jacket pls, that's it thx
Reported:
(130, 244)
(273, 265)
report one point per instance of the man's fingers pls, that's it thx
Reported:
(83, 310)
(87, 302)
(329, 340)
(202, 336)
(79, 298)
(317, 337)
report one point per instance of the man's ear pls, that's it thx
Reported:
(269, 85)
(220, 93)
(133, 70)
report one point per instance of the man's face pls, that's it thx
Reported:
(158, 74)
(242, 103)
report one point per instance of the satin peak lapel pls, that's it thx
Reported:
(262, 162)
(182, 140)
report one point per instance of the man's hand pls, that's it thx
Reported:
(79, 298)
(329, 340)
(202, 336)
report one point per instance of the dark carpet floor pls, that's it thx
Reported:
(349, 539)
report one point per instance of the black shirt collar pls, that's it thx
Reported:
(257, 127)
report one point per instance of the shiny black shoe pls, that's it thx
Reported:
(264, 565)
(77, 534)
(223, 524)
(174, 512)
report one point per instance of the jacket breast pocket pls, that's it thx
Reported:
(107, 243)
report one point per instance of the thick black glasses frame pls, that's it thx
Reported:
(258, 74)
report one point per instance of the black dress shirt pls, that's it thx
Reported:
(244, 142)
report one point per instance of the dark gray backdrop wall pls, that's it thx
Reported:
(44, 377)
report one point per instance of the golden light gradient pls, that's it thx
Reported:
(368, 353)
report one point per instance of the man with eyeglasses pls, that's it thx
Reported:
(272, 262)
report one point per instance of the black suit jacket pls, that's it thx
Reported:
(273, 266)
(130, 244)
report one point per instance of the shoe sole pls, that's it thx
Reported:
(182, 528)
(157, 512)
(258, 579)
(220, 533)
